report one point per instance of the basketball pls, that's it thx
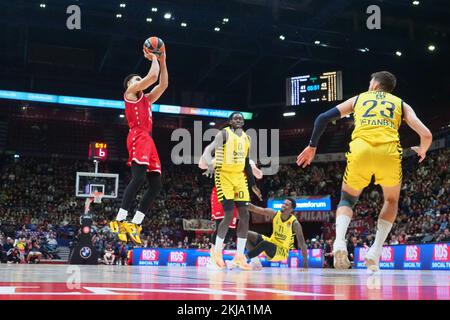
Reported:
(154, 45)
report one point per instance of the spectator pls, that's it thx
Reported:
(109, 256)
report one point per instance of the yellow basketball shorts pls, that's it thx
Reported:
(384, 161)
(281, 253)
(231, 186)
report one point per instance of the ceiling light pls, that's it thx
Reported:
(118, 16)
(282, 37)
(149, 20)
(398, 53)
(288, 114)
(184, 24)
(317, 42)
(167, 15)
(123, 5)
(217, 29)
(154, 9)
(431, 47)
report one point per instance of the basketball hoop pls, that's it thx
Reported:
(98, 197)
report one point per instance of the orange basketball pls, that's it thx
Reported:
(154, 45)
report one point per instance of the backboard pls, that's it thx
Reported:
(89, 182)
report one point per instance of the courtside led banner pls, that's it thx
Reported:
(413, 257)
(115, 104)
(200, 258)
(304, 203)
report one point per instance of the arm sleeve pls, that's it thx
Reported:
(249, 173)
(321, 124)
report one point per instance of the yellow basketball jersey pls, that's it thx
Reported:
(378, 116)
(282, 234)
(230, 157)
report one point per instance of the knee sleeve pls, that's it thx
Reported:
(241, 204)
(347, 200)
(227, 205)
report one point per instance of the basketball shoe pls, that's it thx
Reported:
(134, 231)
(217, 258)
(240, 261)
(118, 227)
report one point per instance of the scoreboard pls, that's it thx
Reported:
(313, 88)
(98, 151)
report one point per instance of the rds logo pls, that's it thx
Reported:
(387, 255)
(412, 254)
(149, 255)
(202, 261)
(441, 252)
(177, 256)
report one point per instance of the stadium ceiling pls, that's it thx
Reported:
(225, 53)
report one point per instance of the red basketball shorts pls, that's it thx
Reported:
(142, 150)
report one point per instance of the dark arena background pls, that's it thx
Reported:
(281, 63)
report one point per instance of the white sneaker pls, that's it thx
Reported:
(340, 255)
(256, 264)
(340, 260)
(372, 260)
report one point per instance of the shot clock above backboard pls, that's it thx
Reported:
(313, 88)
(98, 151)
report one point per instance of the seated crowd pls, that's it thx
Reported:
(39, 210)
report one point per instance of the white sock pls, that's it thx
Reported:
(342, 223)
(218, 245)
(122, 215)
(138, 217)
(241, 245)
(383, 229)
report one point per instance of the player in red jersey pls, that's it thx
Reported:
(143, 156)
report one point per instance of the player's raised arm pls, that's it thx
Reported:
(301, 243)
(149, 79)
(345, 108)
(261, 211)
(425, 135)
(218, 141)
(157, 91)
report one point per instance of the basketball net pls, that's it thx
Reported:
(98, 197)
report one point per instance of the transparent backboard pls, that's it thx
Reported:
(89, 182)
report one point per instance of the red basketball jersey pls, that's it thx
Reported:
(139, 114)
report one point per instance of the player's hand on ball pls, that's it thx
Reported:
(162, 57)
(256, 191)
(421, 153)
(150, 56)
(306, 157)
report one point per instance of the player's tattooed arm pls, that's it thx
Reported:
(149, 79)
(261, 211)
(425, 135)
(219, 140)
(301, 243)
(157, 91)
